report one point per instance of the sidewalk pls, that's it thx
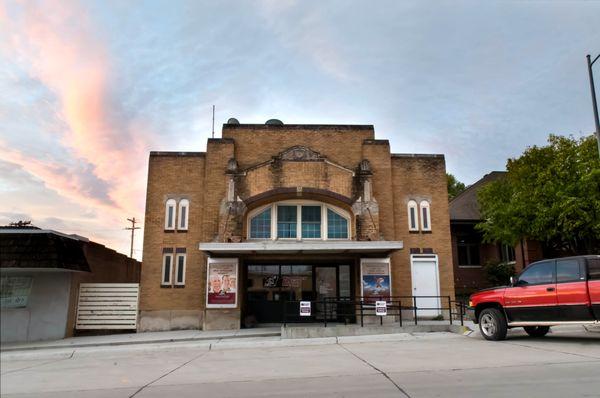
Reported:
(143, 338)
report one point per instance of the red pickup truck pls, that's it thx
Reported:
(548, 292)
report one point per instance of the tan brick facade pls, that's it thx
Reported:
(253, 165)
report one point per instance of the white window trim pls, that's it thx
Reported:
(176, 268)
(425, 205)
(299, 204)
(412, 204)
(162, 274)
(183, 222)
(168, 204)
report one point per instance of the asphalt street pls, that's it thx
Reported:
(565, 363)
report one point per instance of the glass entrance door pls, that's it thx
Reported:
(326, 287)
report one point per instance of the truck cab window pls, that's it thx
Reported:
(537, 274)
(568, 271)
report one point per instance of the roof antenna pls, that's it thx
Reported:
(213, 123)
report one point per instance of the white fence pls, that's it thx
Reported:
(107, 306)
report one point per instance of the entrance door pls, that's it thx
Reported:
(326, 287)
(425, 282)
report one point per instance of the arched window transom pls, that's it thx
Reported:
(299, 220)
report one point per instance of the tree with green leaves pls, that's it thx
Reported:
(455, 187)
(550, 194)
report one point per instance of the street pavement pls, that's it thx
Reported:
(565, 363)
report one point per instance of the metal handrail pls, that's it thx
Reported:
(350, 308)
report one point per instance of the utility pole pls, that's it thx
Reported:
(132, 228)
(594, 103)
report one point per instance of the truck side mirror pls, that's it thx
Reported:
(513, 281)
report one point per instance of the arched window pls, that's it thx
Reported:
(413, 216)
(184, 209)
(260, 225)
(425, 216)
(170, 214)
(299, 220)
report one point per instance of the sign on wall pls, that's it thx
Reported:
(14, 291)
(305, 308)
(222, 287)
(375, 278)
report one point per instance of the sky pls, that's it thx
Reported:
(88, 88)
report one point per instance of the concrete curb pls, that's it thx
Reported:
(136, 342)
(299, 331)
(256, 341)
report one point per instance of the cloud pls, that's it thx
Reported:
(65, 180)
(54, 41)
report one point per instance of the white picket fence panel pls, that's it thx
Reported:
(107, 306)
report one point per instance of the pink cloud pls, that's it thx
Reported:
(58, 178)
(54, 43)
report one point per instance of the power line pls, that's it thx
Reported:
(132, 228)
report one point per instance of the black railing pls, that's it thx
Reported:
(354, 310)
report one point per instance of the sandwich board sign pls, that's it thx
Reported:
(305, 308)
(381, 308)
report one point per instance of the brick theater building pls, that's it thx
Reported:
(274, 212)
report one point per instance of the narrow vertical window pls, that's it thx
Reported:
(425, 216)
(170, 214)
(413, 224)
(167, 268)
(180, 269)
(311, 222)
(184, 208)
(287, 220)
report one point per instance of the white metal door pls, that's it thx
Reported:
(425, 283)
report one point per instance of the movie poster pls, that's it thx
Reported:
(222, 278)
(376, 283)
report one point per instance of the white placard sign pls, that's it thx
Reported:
(305, 308)
(381, 308)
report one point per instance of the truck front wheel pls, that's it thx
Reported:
(537, 331)
(492, 324)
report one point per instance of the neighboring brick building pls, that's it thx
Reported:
(280, 212)
(470, 253)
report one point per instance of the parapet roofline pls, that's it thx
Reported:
(417, 155)
(172, 153)
(299, 126)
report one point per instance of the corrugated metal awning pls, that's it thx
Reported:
(308, 247)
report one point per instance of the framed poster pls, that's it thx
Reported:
(222, 286)
(375, 278)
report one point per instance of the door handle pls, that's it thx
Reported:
(550, 289)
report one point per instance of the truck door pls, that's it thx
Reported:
(533, 298)
(593, 277)
(572, 290)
